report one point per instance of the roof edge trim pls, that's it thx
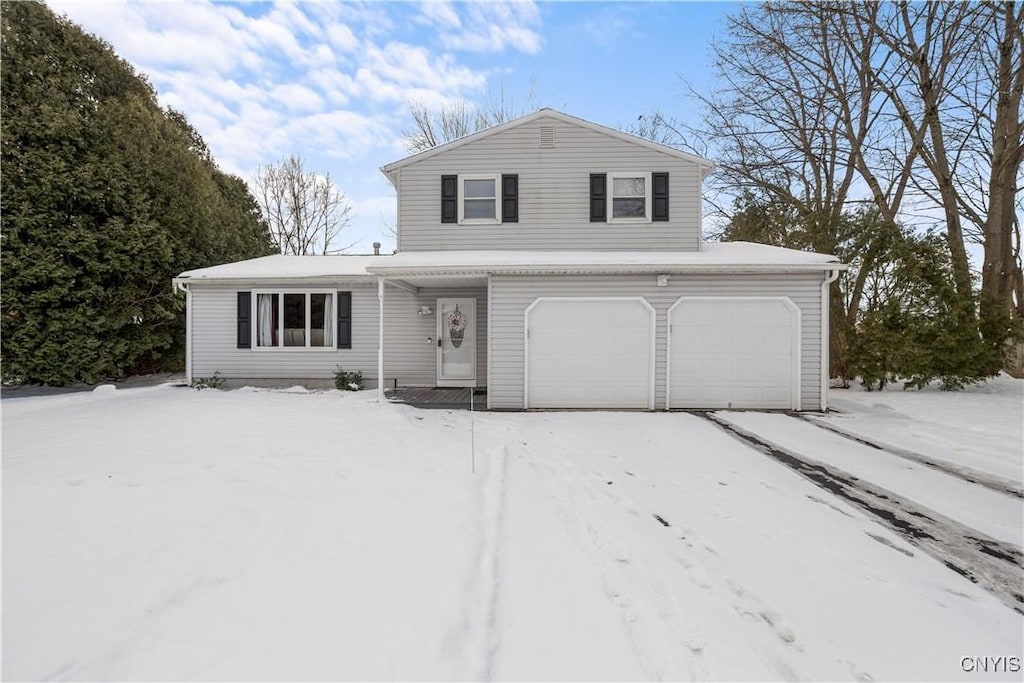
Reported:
(410, 271)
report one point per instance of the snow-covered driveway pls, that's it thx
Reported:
(170, 534)
(980, 428)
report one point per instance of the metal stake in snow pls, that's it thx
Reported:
(472, 434)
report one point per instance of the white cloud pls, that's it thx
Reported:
(439, 13)
(291, 14)
(341, 37)
(336, 86)
(495, 26)
(340, 134)
(297, 98)
(199, 37)
(402, 72)
(275, 35)
(328, 81)
(610, 26)
(372, 19)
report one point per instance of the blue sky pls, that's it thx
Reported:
(331, 81)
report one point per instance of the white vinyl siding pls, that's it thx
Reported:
(410, 339)
(554, 193)
(409, 357)
(512, 295)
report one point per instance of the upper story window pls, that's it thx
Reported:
(479, 199)
(628, 197)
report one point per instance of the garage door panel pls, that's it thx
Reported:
(773, 371)
(743, 394)
(712, 369)
(584, 353)
(776, 395)
(714, 338)
(689, 367)
(763, 316)
(733, 353)
(775, 337)
(748, 367)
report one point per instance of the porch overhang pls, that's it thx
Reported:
(735, 257)
(415, 283)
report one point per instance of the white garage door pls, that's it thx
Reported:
(589, 353)
(734, 353)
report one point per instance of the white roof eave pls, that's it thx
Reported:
(297, 279)
(604, 269)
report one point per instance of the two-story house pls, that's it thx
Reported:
(554, 261)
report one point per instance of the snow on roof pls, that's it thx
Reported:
(286, 266)
(713, 256)
(726, 256)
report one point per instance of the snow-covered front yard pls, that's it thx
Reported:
(164, 533)
(980, 427)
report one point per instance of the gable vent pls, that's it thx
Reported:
(547, 137)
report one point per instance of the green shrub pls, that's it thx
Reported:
(215, 382)
(915, 327)
(348, 381)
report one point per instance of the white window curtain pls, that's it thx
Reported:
(329, 320)
(266, 320)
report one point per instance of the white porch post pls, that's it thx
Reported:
(489, 337)
(188, 335)
(380, 346)
(826, 301)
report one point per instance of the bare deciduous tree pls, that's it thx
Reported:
(955, 81)
(433, 127)
(305, 211)
(1001, 127)
(913, 108)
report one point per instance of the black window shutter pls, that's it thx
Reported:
(245, 320)
(659, 194)
(449, 199)
(510, 198)
(344, 320)
(598, 198)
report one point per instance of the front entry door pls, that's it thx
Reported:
(456, 342)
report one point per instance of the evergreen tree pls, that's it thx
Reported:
(914, 325)
(896, 313)
(105, 197)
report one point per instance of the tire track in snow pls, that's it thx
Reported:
(969, 475)
(995, 566)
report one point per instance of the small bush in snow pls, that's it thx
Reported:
(215, 382)
(348, 381)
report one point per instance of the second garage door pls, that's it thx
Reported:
(734, 353)
(590, 353)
